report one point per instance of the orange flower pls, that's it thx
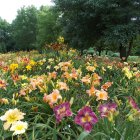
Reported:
(5, 68)
(3, 84)
(91, 91)
(101, 95)
(52, 98)
(66, 75)
(15, 77)
(106, 85)
(25, 60)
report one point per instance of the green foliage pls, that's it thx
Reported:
(4, 35)
(100, 23)
(39, 115)
(48, 27)
(24, 28)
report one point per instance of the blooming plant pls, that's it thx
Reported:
(86, 118)
(68, 96)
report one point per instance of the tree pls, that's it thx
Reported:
(86, 22)
(25, 28)
(48, 26)
(4, 35)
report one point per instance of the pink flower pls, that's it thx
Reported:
(107, 109)
(61, 111)
(132, 103)
(86, 118)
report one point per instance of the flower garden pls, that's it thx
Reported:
(61, 95)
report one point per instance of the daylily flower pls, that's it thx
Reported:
(13, 67)
(61, 111)
(74, 74)
(3, 84)
(134, 111)
(11, 116)
(19, 127)
(63, 86)
(86, 79)
(15, 77)
(91, 91)
(101, 95)
(106, 85)
(86, 118)
(90, 68)
(107, 110)
(132, 103)
(53, 97)
(96, 79)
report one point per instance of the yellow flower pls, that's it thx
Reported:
(28, 67)
(90, 68)
(13, 67)
(32, 63)
(60, 39)
(127, 72)
(23, 77)
(19, 127)
(11, 116)
(109, 67)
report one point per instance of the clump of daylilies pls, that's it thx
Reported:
(12, 120)
(76, 89)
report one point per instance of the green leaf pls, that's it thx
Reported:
(83, 135)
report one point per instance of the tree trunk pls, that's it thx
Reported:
(99, 52)
(122, 53)
(130, 45)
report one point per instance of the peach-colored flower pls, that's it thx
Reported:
(90, 68)
(74, 74)
(63, 86)
(37, 82)
(53, 97)
(65, 65)
(101, 95)
(86, 79)
(53, 75)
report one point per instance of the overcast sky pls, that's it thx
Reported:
(8, 8)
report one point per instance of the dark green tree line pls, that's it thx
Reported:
(101, 22)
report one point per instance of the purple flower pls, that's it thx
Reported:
(107, 109)
(132, 103)
(61, 111)
(86, 118)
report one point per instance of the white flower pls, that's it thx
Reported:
(11, 116)
(19, 127)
